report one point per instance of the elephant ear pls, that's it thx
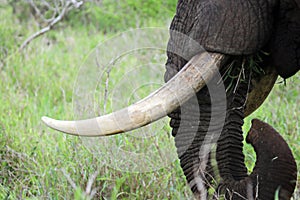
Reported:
(285, 52)
(232, 27)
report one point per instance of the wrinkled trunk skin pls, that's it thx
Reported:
(247, 26)
(190, 126)
(275, 167)
(275, 170)
(230, 157)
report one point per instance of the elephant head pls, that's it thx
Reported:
(234, 32)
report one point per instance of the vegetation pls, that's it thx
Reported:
(39, 163)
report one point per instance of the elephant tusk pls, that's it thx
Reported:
(193, 76)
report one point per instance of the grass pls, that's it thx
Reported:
(39, 163)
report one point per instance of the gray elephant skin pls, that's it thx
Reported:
(251, 42)
(239, 29)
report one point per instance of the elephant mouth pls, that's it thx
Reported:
(191, 78)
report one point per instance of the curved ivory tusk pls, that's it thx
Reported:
(193, 76)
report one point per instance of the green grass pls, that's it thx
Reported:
(39, 163)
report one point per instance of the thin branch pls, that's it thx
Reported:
(72, 183)
(39, 13)
(94, 192)
(44, 30)
(106, 88)
(67, 7)
(90, 183)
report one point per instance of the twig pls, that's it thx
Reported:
(72, 183)
(67, 7)
(106, 88)
(90, 183)
(44, 30)
(94, 192)
(38, 12)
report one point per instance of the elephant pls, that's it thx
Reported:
(247, 44)
(273, 27)
(274, 157)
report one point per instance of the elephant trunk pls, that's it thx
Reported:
(197, 131)
(229, 156)
(275, 172)
(275, 167)
(195, 134)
